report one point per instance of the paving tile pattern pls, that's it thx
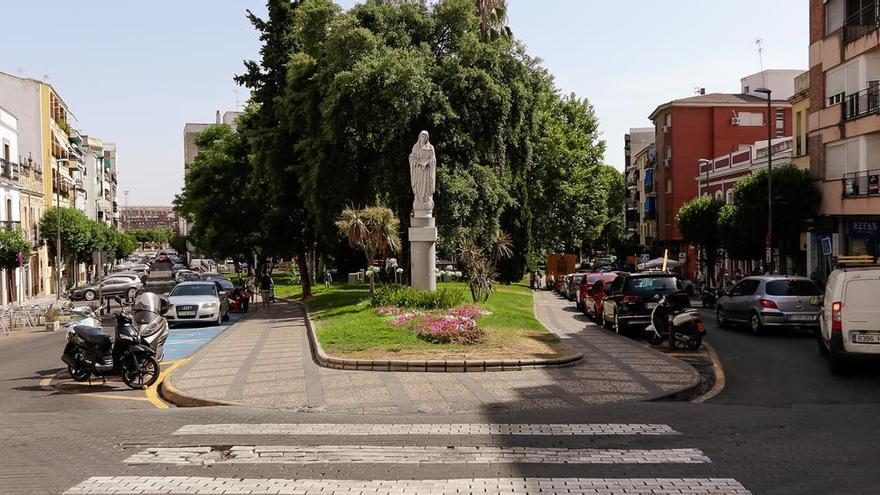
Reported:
(384, 454)
(335, 429)
(207, 485)
(265, 361)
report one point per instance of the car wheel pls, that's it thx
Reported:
(755, 324)
(226, 316)
(89, 295)
(619, 328)
(721, 317)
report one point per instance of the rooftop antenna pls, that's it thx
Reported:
(698, 90)
(237, 104)
(760, 44)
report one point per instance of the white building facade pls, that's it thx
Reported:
(12, 288)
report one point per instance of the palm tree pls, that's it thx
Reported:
(493, 19)
(375, 230)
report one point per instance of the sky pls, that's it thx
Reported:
(134, 72)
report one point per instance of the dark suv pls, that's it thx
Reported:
(633, 296)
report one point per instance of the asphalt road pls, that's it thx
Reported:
(783, 424)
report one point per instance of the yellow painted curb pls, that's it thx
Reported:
(153, 390)
(720, 378)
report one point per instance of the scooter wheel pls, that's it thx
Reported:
(143, 377)
(78, 375)
(655, 339)
(695, 342)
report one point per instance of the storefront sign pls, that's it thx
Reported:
(865, 228)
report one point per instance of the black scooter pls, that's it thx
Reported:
(90, 351)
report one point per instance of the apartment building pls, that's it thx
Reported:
(644, 162)
(13, 286)
(844, 128)
(148, 217)
(634, 142)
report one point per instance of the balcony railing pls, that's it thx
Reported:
(10, 224)
(861, 23)
(8, 169)
(865, 102)
(863, 183)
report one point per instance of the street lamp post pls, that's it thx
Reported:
(705, 163)
(57, 230)
(769, 254)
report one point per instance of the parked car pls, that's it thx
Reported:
(210, 276)
(163, 258)
(182, 275)
(573, 286)
(849, 324)
(123, 286)
(131, 275)
(632, 297)
(769, 301)
(176, 267)
(594, 291)
(197, 302)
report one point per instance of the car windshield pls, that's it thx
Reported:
(651, 284)
(226, 284)
(792, 288)
(194, 290)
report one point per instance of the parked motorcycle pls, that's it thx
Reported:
(239, 299)
(82, 315)
(684, 323)
(709, 297)
(92, 352)
(151, 325)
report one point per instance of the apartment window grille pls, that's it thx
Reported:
(780, 122)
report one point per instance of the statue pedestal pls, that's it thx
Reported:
(422, 248)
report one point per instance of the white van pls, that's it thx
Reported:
(850, 320)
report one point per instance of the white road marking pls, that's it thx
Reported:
(425, 429)
(385, 454)
(204, 485)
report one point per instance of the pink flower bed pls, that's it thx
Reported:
(453, 326)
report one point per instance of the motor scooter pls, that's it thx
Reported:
(683, 323)
(92, 352)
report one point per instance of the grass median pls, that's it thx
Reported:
(346, 328)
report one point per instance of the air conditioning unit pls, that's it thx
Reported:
(735, 121)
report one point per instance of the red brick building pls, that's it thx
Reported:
(148, 217)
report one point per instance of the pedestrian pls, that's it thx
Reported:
(721, 278)
(328, 278)
(699, 278)
(532, 279)
(251, 287)
(266, 289)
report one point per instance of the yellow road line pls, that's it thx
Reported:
(720, 377)
(153, 390)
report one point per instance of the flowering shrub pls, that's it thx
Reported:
(456, 325)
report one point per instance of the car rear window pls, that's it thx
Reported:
(650, 284)
(194, 290)
(792, 288)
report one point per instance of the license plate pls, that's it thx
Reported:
(186, 314)
(866, 338)
(651, 305)
(802, 317)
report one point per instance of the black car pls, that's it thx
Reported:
(633, 296)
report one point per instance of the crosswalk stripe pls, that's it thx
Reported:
(204, 485)
(426, 429)
(385, 454)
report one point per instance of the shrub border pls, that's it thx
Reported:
(455, 366)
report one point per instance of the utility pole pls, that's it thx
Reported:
(769, 253)
(57, 231)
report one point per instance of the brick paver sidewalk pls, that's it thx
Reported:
(265, 361)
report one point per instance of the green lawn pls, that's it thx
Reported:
(350, 329)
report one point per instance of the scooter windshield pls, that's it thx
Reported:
(147, 307)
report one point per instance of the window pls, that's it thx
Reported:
(835, 99)
(745, 288)
(730, 196)
(669, 119)
(668, 186)
(833, 15)
(780, 122)
(792, 288)
(750, 119)
(746, 90)
(719, 195)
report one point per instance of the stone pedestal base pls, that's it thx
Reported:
(422, 244)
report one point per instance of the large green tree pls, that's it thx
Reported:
(796, 199)
(699, 224)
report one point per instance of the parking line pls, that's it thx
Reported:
(153, 390)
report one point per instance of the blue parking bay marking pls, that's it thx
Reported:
(183, 341)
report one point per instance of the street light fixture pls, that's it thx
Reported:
(769, 254)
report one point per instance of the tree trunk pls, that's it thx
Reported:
(304, 276)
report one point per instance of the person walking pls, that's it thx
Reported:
(266, 289)
(251, 287)
(699, 279)
(532, 279)
(328, 278)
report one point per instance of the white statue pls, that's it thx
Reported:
(422, 172)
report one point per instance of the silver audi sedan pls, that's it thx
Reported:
(194, 302)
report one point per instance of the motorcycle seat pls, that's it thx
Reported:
(92, 335)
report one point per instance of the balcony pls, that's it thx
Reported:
(865, 102)
(8, 170)
(861, 22)
(10, 224)
(862, 183)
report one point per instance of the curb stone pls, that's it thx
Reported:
(455, 366)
